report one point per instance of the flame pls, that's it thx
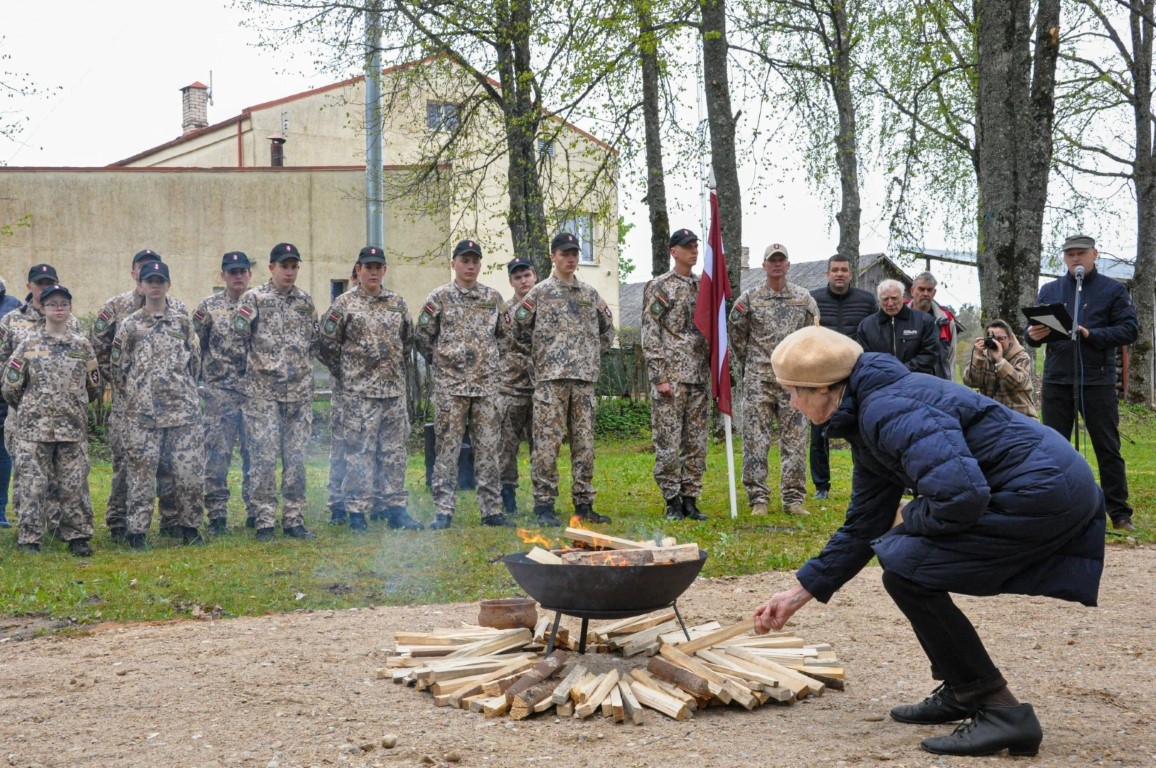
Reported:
(606, 558)
(576, 522)
(534, 537)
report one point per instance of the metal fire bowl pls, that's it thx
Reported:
(603, 591)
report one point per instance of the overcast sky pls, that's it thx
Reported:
(111, 73)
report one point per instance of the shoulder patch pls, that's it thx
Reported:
(524, 310)
(14, 367)
(198, 320)
(102, 321)
(738, 310)
(660, 304)
(245, 311)
(332, 318)
(428, 313)
(117, 348)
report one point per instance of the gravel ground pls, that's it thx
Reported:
(299, 689)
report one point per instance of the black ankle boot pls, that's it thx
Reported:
(546, 515)
(357, 523)
(191, 536)
(79, 548)
(992, 730)
(587, 513)
(441, 522)
(509, 499)
(398, 518)
(674, 508)
(940, 707)
(219, 525)
(690, 509)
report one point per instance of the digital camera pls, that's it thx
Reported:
(990, 343)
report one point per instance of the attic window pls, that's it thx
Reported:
(441, 116)
(546, 147)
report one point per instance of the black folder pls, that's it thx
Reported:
(1055, 317)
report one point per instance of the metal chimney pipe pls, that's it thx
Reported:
(277, 150)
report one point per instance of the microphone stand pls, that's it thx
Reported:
(1077, 369)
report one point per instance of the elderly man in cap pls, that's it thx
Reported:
(276, 323)
(1081, 375)
(16, 326)
(760, 319)
(155, 360)
(366, 338)
(103, 331)
(1003, 505)
(567, 327)
(49, 380)
(678, 366)
(517, 387)
(223, 372)
(459, 332)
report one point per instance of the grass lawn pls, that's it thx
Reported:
(235, 576)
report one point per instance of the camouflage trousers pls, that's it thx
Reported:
(115, 515)
(39, 466)
(680, 427)
(517, 428)
(374, 450)
(49, 500)
(452, 413)
(224, 428)
(168, 461)
(763, 404)
(563, 408)
(338, 462)
(277, 430)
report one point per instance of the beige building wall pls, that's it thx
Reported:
(88, 224)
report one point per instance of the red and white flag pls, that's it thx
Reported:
(710, 313)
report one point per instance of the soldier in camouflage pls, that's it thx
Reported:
(366, 338)
(16, 326)
(155, 359)
(338, 465)
(759, 320)
(678, 367)
(49, 380)
(104, 329)
(517, 388)
(567, 327)
(459, 332)
(277, 324)
(223, 371)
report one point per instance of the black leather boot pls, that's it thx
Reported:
(79, 548)
(398, 518)
(690, 509)
(587, 513)
(940, 707)
(191, 537)
(219, 525)
(510, 499)
(338, 515)
(674, 508)
(546, 515)
(498, 521)
(357, 523)
(992, 730)
(297, 532)
(441, 522)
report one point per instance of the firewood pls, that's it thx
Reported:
(617, 708)
(507, 640)
(716, 683)
(496, 706)
(502, 684)
(619, 557)
(631, 708)
(444, 636)
(437, 673)
(608, 703)
(545, 669)
(692, 702)
(676, 675)
(507, 670)
(562, 692)
(832, 677)
(676, 637)
(542, 629)
(601, 540)
(718, 636)
(565, 709)
(582, 689)
(632, 645)
(605, 684)
(522, 704)
(799, 683)
(543, 556)
(659, 701)
(473, 703)
(544, 705)
(766, 641)
(738, 667)
(629, 626)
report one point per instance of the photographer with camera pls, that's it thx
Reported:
(1002, 369)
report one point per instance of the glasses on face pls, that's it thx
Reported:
(55, 305)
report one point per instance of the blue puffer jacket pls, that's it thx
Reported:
(1003, 504)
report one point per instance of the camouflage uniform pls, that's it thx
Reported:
(338, 461)
(279, 331)
(49, 382)
(155, 361)
(460, 333)
(759, 320)
(15, 327)
(677, 353)
(516, 387)
(223, 372)
(567, 327)
(366, 342)
(104, 330)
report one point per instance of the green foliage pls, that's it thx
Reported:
(621, 417)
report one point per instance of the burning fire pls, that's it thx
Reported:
(534, 537)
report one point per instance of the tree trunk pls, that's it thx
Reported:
(1140, 373)
(655, 177)
(722, 121)
(847, 142)
(521, 117)
(1015, 111)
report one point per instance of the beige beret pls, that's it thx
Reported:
(814, 357)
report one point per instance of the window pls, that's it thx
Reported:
(545, 147)
(441, 116)
(336, 288)
(582, 225)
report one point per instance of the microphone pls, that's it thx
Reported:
(1080, 272)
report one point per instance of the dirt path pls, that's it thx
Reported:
(299, 690)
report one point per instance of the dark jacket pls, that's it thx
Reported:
(7, 304)
(1003, 504)
(911, 335)
(1106, 311)
(844, 312)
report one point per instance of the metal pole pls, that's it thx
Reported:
(374, 163)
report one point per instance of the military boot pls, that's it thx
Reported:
(219, 526)
(587, 513)
(357, 523)
(674, 508)
(137, 540)
(510, 499)
(398, 518)
(498, 521)
(297, 532)
(337, 515)
(191, 537)
(265, 534)
(546, 515)
(690, 509)
(118, 535)
(441, 522)
(79, 548)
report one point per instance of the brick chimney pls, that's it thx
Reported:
(194, 107)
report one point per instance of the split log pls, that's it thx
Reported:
(766, 641)
(543, 556)
(602, 540)
(632, 625)
(584, 687)
(631, 707)
(676, 675)
(715, 682)
(508, 670)
(507, 640)
(566, 709)
(832, 677)
(660, 701)
(799, 683)
(522, 704)
(617, 709)
(606, 684)
(620, 557)
(692, 702)
(718, 636)
(496, 706)
(562, 692)
(632, 645)
(695, 632)
(737, 667)
(544, 669)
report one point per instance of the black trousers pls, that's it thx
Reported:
(948, 638)
(1101, 412)
(820, 458)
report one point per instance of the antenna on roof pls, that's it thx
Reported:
(210, 87)
(285, 124)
